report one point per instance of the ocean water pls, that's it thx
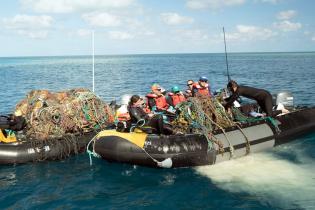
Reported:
(283, 178)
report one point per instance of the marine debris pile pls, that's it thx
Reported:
(202, 115)
(53, 115)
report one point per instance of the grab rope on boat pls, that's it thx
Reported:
(203, 115)
(167, 163)
(246, 138)
(92, 153)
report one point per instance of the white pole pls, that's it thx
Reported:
(93, 59)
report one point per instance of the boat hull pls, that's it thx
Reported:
(196, 150)
(35, 151)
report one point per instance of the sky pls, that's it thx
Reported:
(64, 27)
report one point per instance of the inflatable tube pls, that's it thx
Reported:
(34, 151)
(195, 149)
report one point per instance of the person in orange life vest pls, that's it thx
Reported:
(156, 100)
(188, 91)
(202, 87)
(137, 113)
(175, 97)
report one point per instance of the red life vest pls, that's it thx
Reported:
(177, 98)
(146, 110)
(205, 91)
(160, 101)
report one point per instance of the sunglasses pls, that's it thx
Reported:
(203, 80)
(189, 84)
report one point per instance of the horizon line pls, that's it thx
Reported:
(174, 53)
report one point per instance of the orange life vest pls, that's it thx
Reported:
(202, 90)
(123, 117)
(160, 101)
(177, 98)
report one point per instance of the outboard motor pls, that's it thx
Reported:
(285, 98)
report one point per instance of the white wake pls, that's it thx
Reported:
(271, 179)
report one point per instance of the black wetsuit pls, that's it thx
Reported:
(137, 113)
(15, 123)
(263, 98)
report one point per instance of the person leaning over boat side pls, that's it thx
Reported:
(156, 100)
(175, 97)
(262, 97)
(188, 91)
(137, 113)
(202, 87)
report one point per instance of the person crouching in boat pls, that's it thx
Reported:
(201, 88)
(188, 91)
(137, 113)
(175, 97)
(156, 100)
(262, 97)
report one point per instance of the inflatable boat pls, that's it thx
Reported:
(24, 150)
(181, 150)
(16, 147)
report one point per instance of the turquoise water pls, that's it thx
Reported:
(283, 178)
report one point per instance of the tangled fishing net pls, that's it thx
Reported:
(201, 115)
(53, 115)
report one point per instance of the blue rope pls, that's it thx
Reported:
(92, 153)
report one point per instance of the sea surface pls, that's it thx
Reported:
(283, 178)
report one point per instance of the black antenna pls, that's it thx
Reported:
(226, 59)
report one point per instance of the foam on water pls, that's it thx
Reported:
(269, 178)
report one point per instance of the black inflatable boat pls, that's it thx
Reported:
(23, 151)
(195, 149)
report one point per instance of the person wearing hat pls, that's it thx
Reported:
(202, 87)
(261, 96)
(175, 97)
(188, 91)
(137, 113)
(156, 100)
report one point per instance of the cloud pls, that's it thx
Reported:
(28, 22)
(194, 34)
(175, 19)
(306, 33)
(148, 33)
(35, 27)
(120, 35)
(286, 26)
(33, 34)
(212, 4)
(313, 38)
(84, 32)
(247, 32)
(286, 15)
(69, 6)
(102, 19)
